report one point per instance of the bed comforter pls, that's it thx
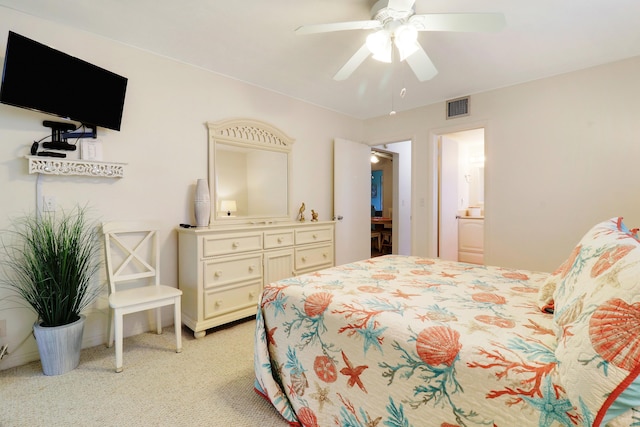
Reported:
(403, 341)
(408, 341)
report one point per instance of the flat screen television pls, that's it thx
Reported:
(41, 78)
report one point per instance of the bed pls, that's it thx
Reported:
(409, 341)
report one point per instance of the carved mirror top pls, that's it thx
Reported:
(249, 169)
(250, 132)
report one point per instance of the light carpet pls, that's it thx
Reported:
(210, 383)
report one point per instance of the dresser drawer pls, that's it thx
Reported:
(314, 256)
(218, 302)
(278, 239)
(225, 244)
(314, 235)
(224, 271)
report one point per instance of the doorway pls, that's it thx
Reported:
(396, 195)
(352, 203)
(381, 202)
(461, 196)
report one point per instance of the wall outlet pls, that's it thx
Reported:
(3, 328)
(49, 203)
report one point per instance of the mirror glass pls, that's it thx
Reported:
(249, 172)
(256, 180)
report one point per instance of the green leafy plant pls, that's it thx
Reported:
(50, 264)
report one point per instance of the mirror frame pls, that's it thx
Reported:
(251, 134)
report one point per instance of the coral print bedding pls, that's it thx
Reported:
(403, 341)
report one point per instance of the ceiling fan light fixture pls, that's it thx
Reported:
(379, 44)
(406, 40)
(405, 34)
(383, 57)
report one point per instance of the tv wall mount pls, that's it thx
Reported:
(61, 132)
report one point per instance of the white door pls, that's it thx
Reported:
(448, 192)
(352, 200)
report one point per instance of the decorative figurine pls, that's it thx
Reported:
(301, 213)
(314, 216)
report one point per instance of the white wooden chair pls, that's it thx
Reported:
(132, 261)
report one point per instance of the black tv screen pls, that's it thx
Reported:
(41, 78)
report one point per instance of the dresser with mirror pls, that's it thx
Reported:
(252, 239)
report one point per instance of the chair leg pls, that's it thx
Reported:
(178, 324)
(158, 320)
(118, 320)
(110, 328)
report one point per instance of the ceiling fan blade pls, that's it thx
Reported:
(421, 65)
(338, 26)
(459, 22)
(353, 63)
(401, 4)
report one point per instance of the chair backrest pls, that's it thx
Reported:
(131, 253)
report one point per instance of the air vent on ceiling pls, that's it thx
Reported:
(458, 107)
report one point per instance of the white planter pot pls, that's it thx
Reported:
(59, 346)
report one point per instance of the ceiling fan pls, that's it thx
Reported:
(397, 27)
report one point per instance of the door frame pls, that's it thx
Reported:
(402, 224)
(433, 139)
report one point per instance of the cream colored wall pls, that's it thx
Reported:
(561, 155)
(164, 143)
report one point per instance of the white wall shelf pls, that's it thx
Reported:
(59, 166)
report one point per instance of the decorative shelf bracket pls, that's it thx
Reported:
(58, 166)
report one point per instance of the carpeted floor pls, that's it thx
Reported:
(210, 384)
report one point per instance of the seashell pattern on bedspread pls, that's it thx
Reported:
(408, 341)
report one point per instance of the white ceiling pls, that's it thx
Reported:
(254, 41)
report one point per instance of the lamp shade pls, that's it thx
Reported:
(228, 206)
(405, 39)
(379, 43)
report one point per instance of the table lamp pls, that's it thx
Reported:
(228, 206)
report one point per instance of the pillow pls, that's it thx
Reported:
(548, 288)
(627, 399)
(597, 312)
(545, 293)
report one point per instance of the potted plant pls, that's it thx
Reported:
(50, 264)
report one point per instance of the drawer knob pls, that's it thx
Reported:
(218, 273)
(304, 259)
(315, 236)
(235, 244)
(252, 295)
(252, 267)
(218, 303)
(279, 239)
(324, 254)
